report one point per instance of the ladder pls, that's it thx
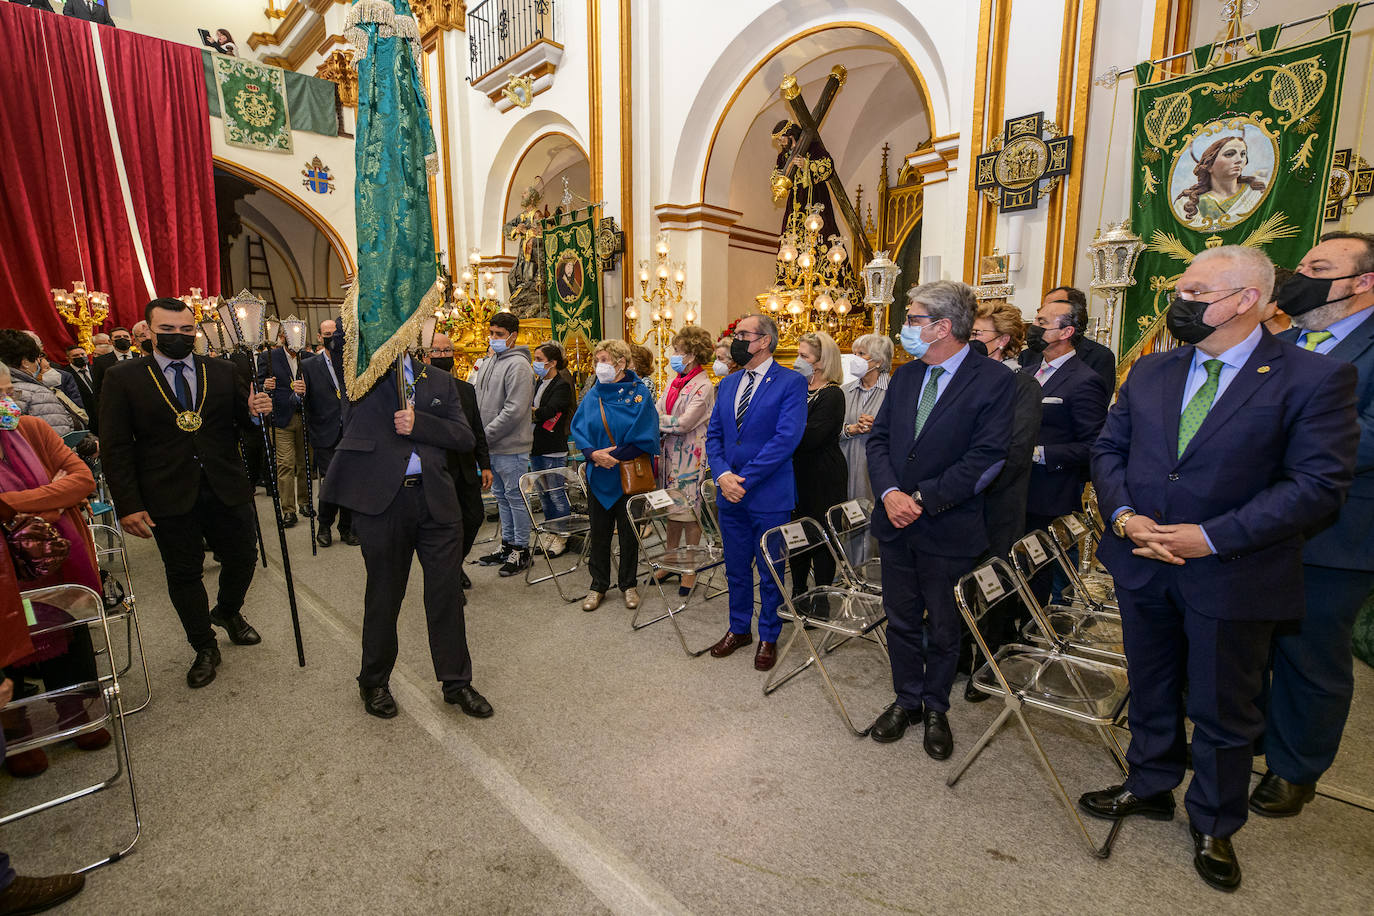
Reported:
(259, 277)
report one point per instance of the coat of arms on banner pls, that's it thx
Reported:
(317, 177)
(252, 102)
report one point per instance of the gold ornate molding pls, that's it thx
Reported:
(314, 35)
(442, 15)
(338, 68)
(294, 12)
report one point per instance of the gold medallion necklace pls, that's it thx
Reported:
(188, 421)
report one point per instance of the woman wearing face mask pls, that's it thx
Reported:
(24, 358)
(684, 411)
(552, 415)
(617, 409)
(862, 401)
(41, 476)
(723, 364)
(819, 466)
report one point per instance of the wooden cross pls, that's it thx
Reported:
(810, 120)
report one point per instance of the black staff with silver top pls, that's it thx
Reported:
(294, 330)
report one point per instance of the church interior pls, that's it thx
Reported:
(636, 171)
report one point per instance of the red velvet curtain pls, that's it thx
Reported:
(62, 213)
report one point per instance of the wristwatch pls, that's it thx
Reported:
(917, 496)
(1119, 523)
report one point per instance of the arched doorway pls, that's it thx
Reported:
(552, 168)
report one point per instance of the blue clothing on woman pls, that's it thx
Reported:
(633, 420)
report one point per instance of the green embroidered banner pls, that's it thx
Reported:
(573, 272)
(252, 100)
(309, 99)
(1234, 155)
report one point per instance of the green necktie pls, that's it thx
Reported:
(1314, 339)
(928, 394)
(1191, 419)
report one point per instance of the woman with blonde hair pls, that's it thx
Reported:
(821, 472)
(615, 422)
(684, 409)
(998, 326)
(862, 400)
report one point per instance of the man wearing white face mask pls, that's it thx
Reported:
(505, 390)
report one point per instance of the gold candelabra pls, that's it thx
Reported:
(203, 306)
(466, 318)
(814, 289)
(83, 309)
(668, 279)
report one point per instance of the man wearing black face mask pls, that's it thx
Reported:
(324, 407)
(169, 444)
(123, 342)
(143, 337)
(1100, 359)
(1218, 457)
(78, 366)
(1331, 301)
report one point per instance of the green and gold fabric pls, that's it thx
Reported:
(573, 271)
(252, 102)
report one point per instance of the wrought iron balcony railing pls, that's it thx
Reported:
(500, 29)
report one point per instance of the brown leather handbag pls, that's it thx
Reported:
(636, 475)
(36, 546)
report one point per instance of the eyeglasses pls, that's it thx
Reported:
(914, 321)
(1174, 292)
(978, 333)
(747, 336)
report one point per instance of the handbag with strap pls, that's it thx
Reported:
(636, 475)
(36, 546)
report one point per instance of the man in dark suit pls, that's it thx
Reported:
(169, 426)
(471, 470)
(89, 10)
(1331, 301)
(940, 438)
(279, 374)
(79, 370)
(323, 399)
(1100, 359)
(123, 351)
(1073, 408)
(391, 468)
(1215, 461)
(755, 426)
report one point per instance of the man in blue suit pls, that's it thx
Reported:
(1214, 463)
(940, 438)
(1331, 300)
(757, 421)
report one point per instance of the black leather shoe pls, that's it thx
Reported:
(34, 895)
(1277, 797)
(939, 741)
(308, 511)
(349, 538)
(1215, 860)
(240, 632)
(892, 724)
(469, 701)
(378, 701)
(467, 583)
(973, 694)
(203, 668)
(1115, 803)
(288, 520)
(323, 537)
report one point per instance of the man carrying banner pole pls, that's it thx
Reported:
(399, 418)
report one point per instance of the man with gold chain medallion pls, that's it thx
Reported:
(170, 430)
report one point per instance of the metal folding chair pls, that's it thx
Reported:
(845, 610)
(848, 523)
(650, 514)
(1073, 629)
(68, 712)
(534, 484)
(1092, 590)
(1030, 677)
(113, 560)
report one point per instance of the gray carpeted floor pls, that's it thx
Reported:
(617, 775)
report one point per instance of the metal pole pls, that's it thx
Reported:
(281, 536)
(257, 524)
(309, 488)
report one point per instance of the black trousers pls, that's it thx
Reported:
(388, 541)
(180, 539)
(816, 560)
(602, 521)
(470, 500)
(329, 510)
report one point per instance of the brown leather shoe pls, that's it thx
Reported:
(730, 642)
(93, 741)
(766, 655)
(28, 764)
(34, 895)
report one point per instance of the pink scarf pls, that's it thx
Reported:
(675, 388)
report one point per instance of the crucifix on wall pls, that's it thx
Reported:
(804, 164)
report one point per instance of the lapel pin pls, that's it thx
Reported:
(434, 403)
(1262, 369)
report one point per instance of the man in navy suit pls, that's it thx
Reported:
(1100, 359)
(757, 421)
(1073, 408)
(324, 410)
(940, 438)
(1331, 300)
(279, 374)
(1215, 461)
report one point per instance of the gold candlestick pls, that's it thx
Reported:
(83, 309)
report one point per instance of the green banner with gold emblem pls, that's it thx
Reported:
(252, 102)
(1235, 154)
(573, 271)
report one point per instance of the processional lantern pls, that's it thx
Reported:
(245, 319)
(880, 278)
(1113, 255)
(294, 329)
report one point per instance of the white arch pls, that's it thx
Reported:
(523, 134)
(773, 28)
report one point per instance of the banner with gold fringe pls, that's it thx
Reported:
(572, 274)
(396, 284)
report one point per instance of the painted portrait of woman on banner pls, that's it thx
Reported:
(1223, 174)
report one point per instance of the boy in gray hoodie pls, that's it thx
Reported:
(505, 391)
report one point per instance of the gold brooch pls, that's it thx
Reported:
(1262, 369)
(638, 398)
